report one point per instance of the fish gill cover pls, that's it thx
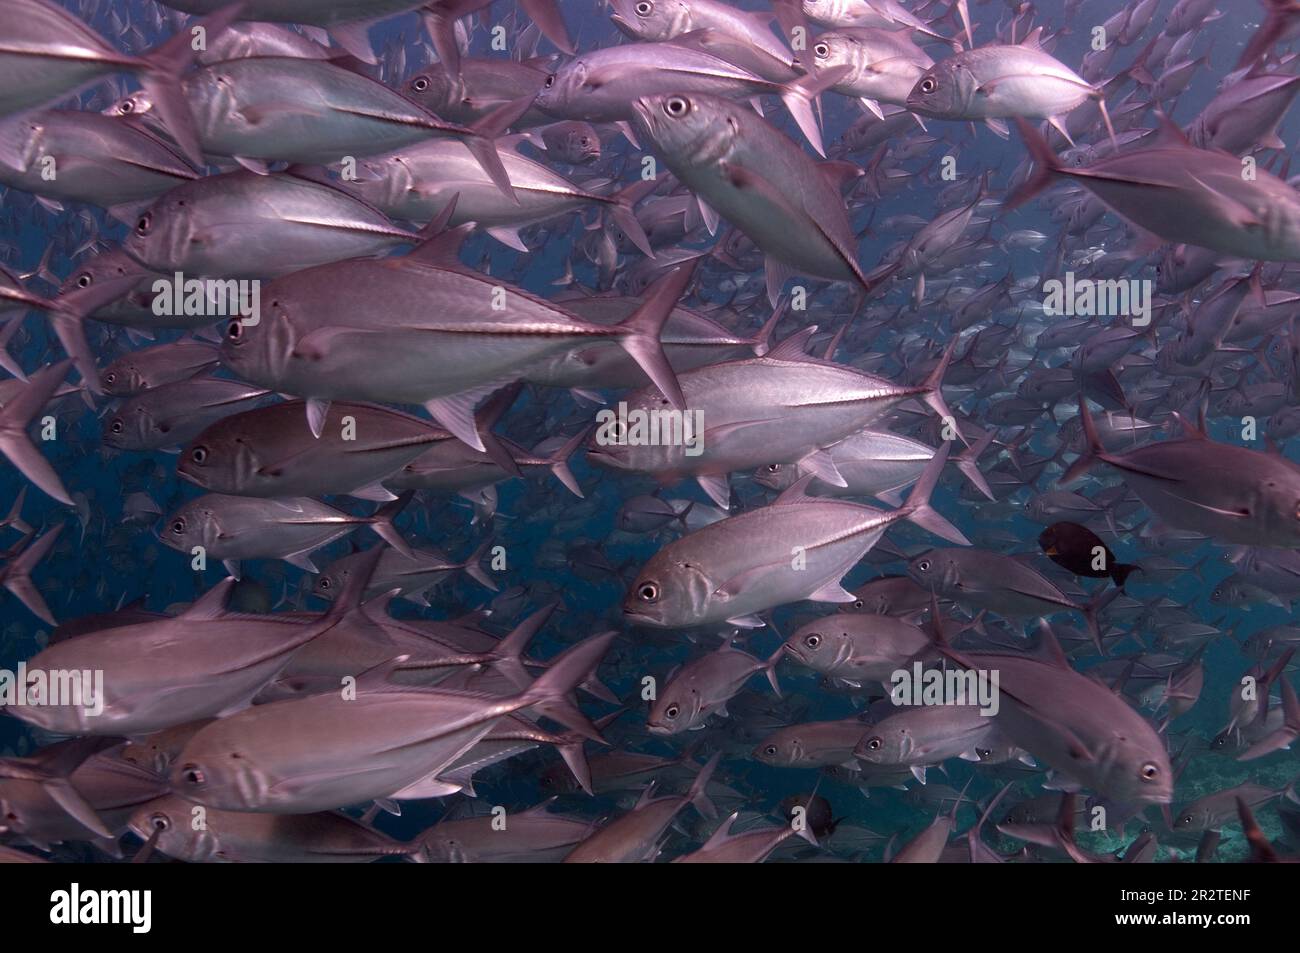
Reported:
(651, 430)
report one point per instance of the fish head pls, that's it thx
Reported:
(220, 458)
(699, 129)
(882, 744)
(435, 90)
(168, 820)
(575, 142)
(261, 349)
(674, 711)
(1140, 773)
(815, 644)
(778, 750)
(1192, 818)
(136, 105)
(19, 800)
(130, 428)
(329, 582)
(562, 91)
(835, 49)
(651, 19)
(942, 92)
(929, 570)
(211, 770)
(668, 589)
(192, 525)
(168, 231)
(776, 476)
(123, 378)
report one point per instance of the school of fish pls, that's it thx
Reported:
(615, 431)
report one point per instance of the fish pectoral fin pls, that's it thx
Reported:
(1233, 211)
(737, 583)
(832, 592)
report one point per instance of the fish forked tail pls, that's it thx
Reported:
(640, 334)
(15, 417)
(1093, 452)
(1049, 166)
(382, 523)
(917, 509)
(162, 70)
(552, 693)
(17, 575)
(621, 211)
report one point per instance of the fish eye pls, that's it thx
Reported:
(923, 565)
(773, 467)
(644, 8)
(324, 582)
(675, 107)
(649, 592)
(874, 744)
(672, 711)
(84, 280)
(235, 331)
(142, 226)
(192, 774)
(160, 822)
(420, 84)
(770, 750)
(126, 108)
(928, 84)
(858, 603)
(821, 51)
(116, 426)
(110, 377)
(550, 80)
(1150, 772)
(178, 526)
(813, 641)
(585, 141)
(199, 455)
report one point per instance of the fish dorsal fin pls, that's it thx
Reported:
(1192, 431)
(212, 604)
(443, 249)
(1050, 649)
(1034, 40)
(797, 492)
(1168, 133)
(795, 347)
(840, 173)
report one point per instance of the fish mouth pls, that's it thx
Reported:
(658, 729)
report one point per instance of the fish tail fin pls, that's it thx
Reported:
(1093, 449)
(354, 587)
(640, 333)
(622, 213)
(1105, 117)
(1048, 167)
(552, 693)
(546, 15)
(382, 523)
(698, 793)
(968, 463)
(508, 654)
(14, 419)
(1121, 571)
(1090, 610)
(933, 385)
(482, 146)
(769, 669)
(917, 509)
(800, 94)
(18, 578)
(163, 68)
(475, 571)
(15, 517)
(559, 462)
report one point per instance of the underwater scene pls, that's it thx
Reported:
(702, 431)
